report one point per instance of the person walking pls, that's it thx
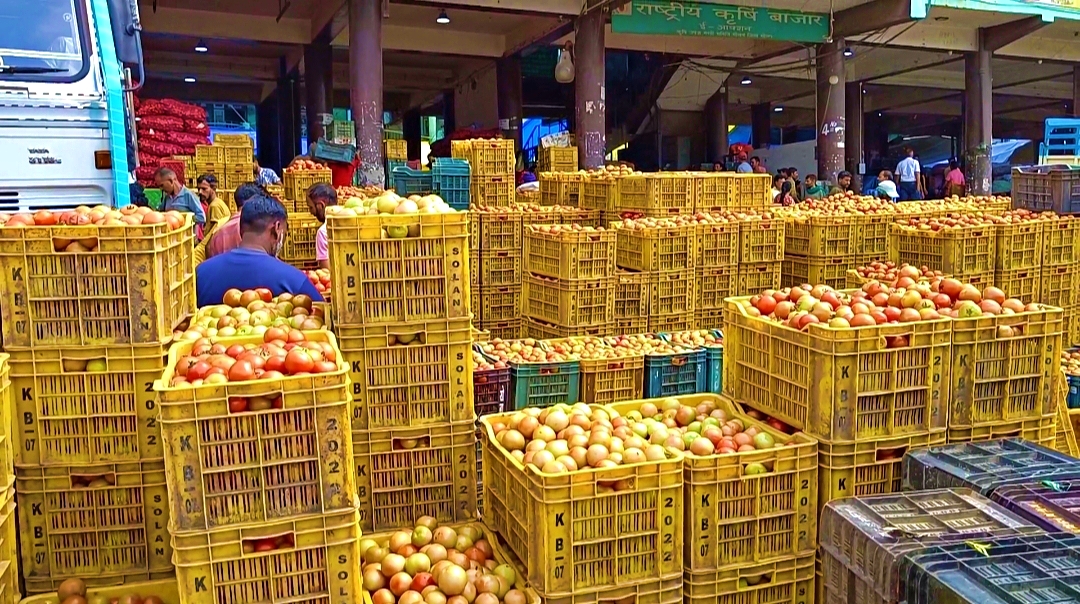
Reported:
(319, 196)
(178, 197)
(909, 175)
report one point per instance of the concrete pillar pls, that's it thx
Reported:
(853, 136)
(760, 125)
(366, 86)
(589, 90)
(978, 121)
(508, 84)
(1076, 91)
(716, 126)
(412, 130)
(831, 110)
(318, 80)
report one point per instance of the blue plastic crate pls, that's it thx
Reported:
(1074, 392)
(412, 182)
(985, 466)
(714, 369)
(675, 374)
(544, 384)
(391, 165)
(327, 151)
(451, 180)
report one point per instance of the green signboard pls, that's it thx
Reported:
(1048, 10)
(656, 17)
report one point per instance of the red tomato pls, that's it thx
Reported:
(275, 333)
(296, 336)
(223, 361)
(237, 404)
(265, 545)
(324, 367)
(265, 294)
(235, 350)
(242, 371)
(298, 361)
(278, 403)
(257, 360)
(217, 349)
(275, 363)
(198, 371)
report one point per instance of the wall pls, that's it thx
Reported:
(477, 106)
(683, 134)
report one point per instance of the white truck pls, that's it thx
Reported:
(64, 109)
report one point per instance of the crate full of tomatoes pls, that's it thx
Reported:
(256, 429)
(300, 175)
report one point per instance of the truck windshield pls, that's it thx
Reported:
(42, 40)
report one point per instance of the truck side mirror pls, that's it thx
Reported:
(127, 30)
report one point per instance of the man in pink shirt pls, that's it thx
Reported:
(319, 196)
(227, 237)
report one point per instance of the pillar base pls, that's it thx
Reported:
(979, 171)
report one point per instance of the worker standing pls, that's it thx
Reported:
(178, 197)
(227, 237)
(264, 176)
(319, 196)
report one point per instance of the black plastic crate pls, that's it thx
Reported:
(1007, 570)
(1047, 188)
(1053, 505)
(985, 466)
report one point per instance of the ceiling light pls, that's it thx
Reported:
(746, 81)
(189, 80)
(443, 18)
(778, 109)
(848, 52)
(200, 46)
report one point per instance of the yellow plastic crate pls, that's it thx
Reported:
(570, 254)
(630, 325)
(1039, 430)
(1019, 246)
(761, 240)
(1061, 241)
(487, 157)
(657, 249)
(718, 245)
(300, 243)
(504, 330)
(213, 567)
(870, 467)
(726, 191)
(1060, 286)
(955, 251)
(492, 190)
(107, 535)
(166, 589)
(9, 550)
(840, 384)
(563, 215)
(708, 319)
(575, 533)
(712, 285)
(1025, 283)
(557, 159)
(214, 154)
(798, 270)
(498, 269)
(674, 322)
(569, 302)
(997, 377)
(8, 446)
(415, 278)
(540, 330)
(410, 374)
(608, 380)
(499, 303)
(631, 295)
(397, 149)
(233, 468)
(1064, 434)
(90, 405)
(237, 140)
(498, 231)
(734, 518)
(133, 288)
(600, 194)
(560, 188)
(788, 580)
(821, 236)
(671, 293)
(656, 195)
(297, 182)
(239, 158)
(757, 277)
(405, 473)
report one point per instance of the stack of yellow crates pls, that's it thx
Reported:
(230, 158)
(491, 165)
(401, 309)
(84, 349)
(568, 284)
(665, 252)
(9, 551)
(495, 254)
(1060, 273)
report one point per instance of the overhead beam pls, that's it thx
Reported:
(871, 16)
(438, 41)
(544, 7)
(919, 64)
(545, 31)
(323, 13)
(213, 24)
(250, 68)
(1000, 36)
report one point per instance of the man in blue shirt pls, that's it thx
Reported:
(177, 196)
(263, 225)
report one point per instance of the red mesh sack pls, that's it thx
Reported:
(160, 122)
(197, 127)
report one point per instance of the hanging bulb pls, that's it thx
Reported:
(564, 69)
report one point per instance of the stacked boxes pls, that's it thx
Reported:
(85, 349)
(1060, 272)
(569, 283)
(496, 253)
(271, 489)
(9, 551)
(492, 169)
(819, 249)
(402, 309)
(230, 158)
(665, 250)
(557, 159)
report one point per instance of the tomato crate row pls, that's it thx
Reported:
(496, 230)
(405, 473)
(560, 188)
(563, 252)
(230, 463)
(166, 589)
(569, 303)
(866, 540)
(826, 271)
(788, 580)
(399, 268)
(893, 379)
(498, 269)
(107, 523)
(125, 284)
(558, 159)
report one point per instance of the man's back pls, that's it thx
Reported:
(907, 168)
(245, 268)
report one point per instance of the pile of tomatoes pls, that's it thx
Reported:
(283, 352)
(97, 216)
(320, 278)
(301, 165)
(269, 544)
